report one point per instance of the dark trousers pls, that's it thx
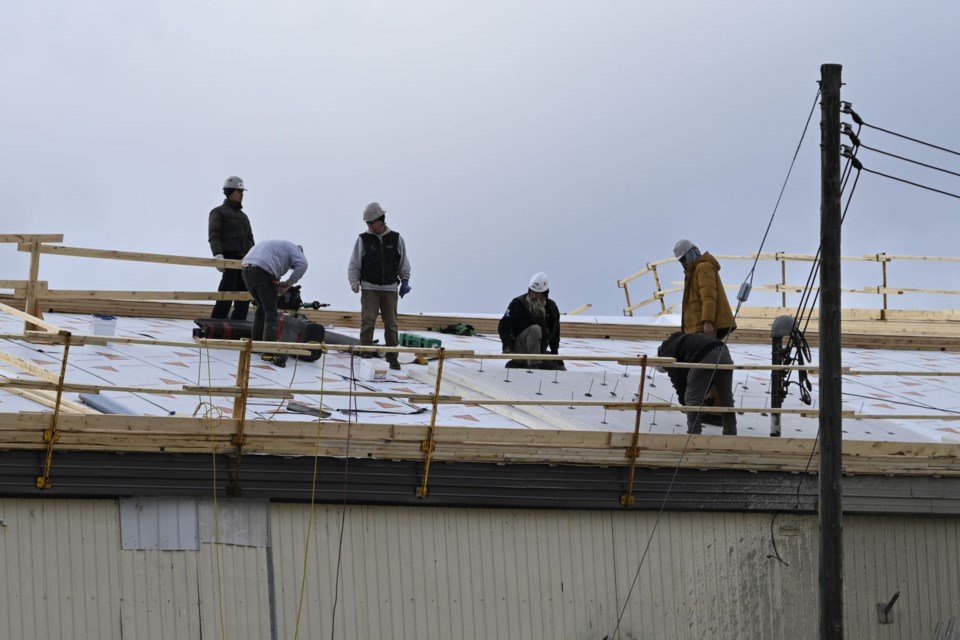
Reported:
(383, 303)
(260, 284)
(698, 384)
(231, 280)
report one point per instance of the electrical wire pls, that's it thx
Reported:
(905, 137)
(352, 399)
(911, 183)
(783, 188)
(916, 162)
(713, 374)
(313, 491)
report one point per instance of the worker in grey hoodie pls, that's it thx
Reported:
(263, 269)
(377, 265)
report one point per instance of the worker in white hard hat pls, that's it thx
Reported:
(231, 237)
(531, 324)
(705, 306)
(378, 266)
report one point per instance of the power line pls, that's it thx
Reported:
(847, 108)
(916, 162)
(911, 183)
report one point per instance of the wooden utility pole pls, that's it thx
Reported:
(831, 401)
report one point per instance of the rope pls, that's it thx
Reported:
(210, 410)
(346, 477)
(313, 492)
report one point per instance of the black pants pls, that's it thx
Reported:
(231, 280)
(260, 284)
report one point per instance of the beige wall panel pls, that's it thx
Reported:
(234, 592)
(60, 572)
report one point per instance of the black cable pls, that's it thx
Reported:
(915, 184)
(900, 135)
(905, 403)
(916, 162)
(686, 444)
(783, 188)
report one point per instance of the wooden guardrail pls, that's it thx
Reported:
(652, 273)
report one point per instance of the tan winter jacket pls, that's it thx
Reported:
(704, 298)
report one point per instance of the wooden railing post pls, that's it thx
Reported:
(30, 305)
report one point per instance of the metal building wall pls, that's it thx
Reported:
(471, 573)
(64, 575)
(490, 573)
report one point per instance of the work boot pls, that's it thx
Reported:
(395, 365)
(694, 426)
(729, 424)
(516, 364)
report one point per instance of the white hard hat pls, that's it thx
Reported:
(373, 212)
(233, 182)
(539, 282)
(680, 249)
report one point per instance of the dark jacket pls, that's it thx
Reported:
(685, 347)
(704, 297)
(518, 317)
(229, 231)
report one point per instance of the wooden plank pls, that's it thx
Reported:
(48, 326)
(98, 294)
(20, 238)
(29, 367)
(134, 256)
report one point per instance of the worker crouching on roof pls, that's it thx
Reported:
(531, 324)
(263, 267)
(705, 306)
(693, 385)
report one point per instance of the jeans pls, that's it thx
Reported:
(260, 284)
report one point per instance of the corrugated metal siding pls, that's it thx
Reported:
(64, 575)
(441, 573)
(60, 574)
(471, 573)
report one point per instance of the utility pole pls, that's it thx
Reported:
(831, 402)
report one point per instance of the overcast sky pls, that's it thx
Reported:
(503, 138)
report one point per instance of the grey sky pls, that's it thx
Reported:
(503, 138)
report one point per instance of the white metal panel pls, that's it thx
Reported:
(60, 575)
(160, 595)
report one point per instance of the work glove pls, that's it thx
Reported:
(219, 256)
(507, 349)
(404, 287)
(355, 287)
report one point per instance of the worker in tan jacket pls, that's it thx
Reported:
(705, 306)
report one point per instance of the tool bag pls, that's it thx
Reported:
(294, 327)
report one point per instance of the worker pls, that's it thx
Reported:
(377, 265)
(531, 324)
(694, 385)
(263, 269)
(230, 236)
(705, 306)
